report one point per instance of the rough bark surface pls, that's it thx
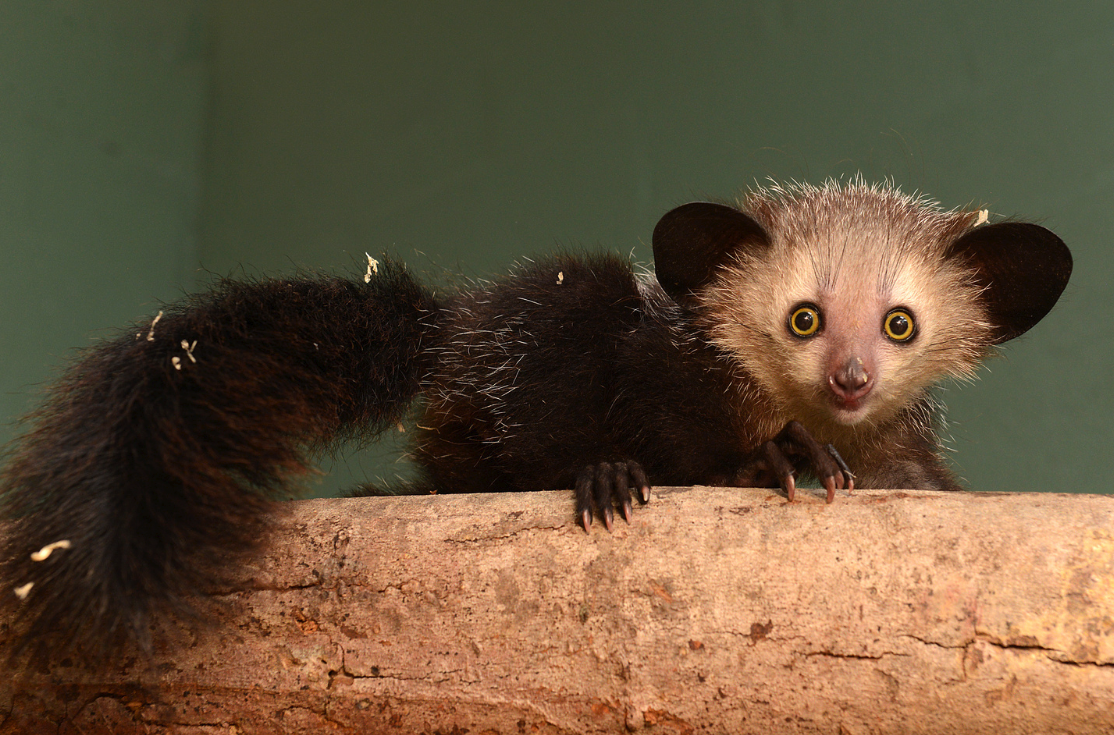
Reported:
(716, 610)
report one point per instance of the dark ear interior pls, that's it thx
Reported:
(693, 239)
(1024, 269)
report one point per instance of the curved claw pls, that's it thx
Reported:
(603, 486)
(830, 486)
(843, 468)
(780, 466)
(775, 463)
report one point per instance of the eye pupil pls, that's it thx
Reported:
(804, 320)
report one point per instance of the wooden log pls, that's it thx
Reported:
(716, 610)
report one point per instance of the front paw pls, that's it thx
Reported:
(775, 463)
(600, 487)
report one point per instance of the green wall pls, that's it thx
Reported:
(102, 119)
(462, 135)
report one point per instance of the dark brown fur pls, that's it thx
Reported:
(152, 472)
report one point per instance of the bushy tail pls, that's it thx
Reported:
(159, 453)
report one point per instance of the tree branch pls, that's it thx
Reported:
(716, 610)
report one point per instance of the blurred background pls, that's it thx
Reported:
(149, 146)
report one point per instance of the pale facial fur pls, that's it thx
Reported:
(856, 252)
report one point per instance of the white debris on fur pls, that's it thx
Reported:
(22, 592)
(151, 334)
(44, 553)
(984, 215)
(372, 268)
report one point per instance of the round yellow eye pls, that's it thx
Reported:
(899, 325)
(805, 320)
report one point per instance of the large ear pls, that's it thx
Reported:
(1024, 269)
(693, 239)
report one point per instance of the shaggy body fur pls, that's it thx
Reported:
(573, 371)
